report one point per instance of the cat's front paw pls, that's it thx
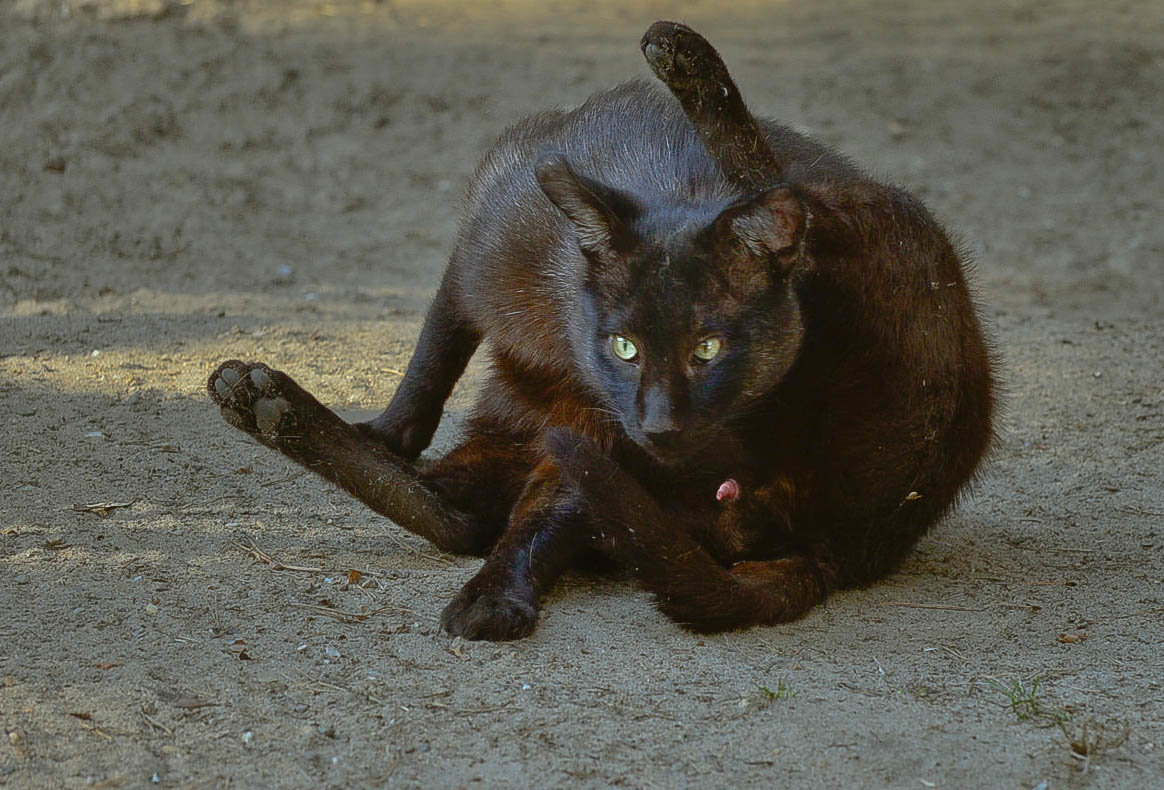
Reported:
(492, 615)
(251, 398)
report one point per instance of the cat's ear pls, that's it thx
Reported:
(769, 227)
(601, 215)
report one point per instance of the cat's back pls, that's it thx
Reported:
(634, 138)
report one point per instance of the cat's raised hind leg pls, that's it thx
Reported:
(280, 414)
(695, 73)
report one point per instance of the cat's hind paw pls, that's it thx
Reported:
(680, 57)
(253, 398)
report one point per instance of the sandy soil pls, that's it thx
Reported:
(184, 182)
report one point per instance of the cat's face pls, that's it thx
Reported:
(687, 320)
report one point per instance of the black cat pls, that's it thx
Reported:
(721, 356)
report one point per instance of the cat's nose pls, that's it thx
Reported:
(658, 418)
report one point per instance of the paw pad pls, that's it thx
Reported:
(249, 397)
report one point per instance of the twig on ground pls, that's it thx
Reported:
(350, 617)
(466, 711)
(1139, 511)
(96, 730)
(943, 607)
(1141, 613)
(287, 479)
(310, 681)
(1094, 737)
(103, 508)
(157, 725)
(261, 556)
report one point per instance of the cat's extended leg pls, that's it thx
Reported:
(544, 533)
(695, 73)
(689, 585)
(446, 343)
(276, 411)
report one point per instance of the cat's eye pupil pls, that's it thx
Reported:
(623, 348)
(707, 349)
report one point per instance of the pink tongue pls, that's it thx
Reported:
(729, 490)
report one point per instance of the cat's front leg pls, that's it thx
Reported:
(446, 343)
(544, 533)
(689, 585)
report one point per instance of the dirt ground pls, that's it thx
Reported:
(278, 180)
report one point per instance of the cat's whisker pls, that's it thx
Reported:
(611, 412)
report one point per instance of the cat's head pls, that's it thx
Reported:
(689, 312)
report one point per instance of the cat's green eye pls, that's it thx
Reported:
(623, 348)
(707, 349)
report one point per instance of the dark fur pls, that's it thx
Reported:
(852, 398)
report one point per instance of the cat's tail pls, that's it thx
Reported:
(695, 73)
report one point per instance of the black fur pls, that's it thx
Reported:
(675, 295)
